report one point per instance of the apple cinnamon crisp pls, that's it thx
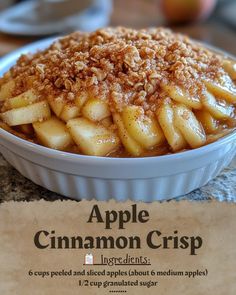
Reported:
(120, 92)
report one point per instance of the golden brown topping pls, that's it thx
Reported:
(118, 60)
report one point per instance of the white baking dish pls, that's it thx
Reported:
(86, 177)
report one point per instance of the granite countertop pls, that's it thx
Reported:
(13, 186)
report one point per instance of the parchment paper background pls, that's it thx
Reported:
(215, 222)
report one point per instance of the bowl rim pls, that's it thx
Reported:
(6, 62)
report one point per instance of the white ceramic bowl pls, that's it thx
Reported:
(86, 177)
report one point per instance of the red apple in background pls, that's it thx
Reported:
(177, 11)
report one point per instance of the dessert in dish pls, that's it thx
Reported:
(121, 93)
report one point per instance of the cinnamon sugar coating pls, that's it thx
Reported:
(119, 65)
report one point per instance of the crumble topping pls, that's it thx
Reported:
(119, 65)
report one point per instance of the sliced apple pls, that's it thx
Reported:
(144, 130)
(208, 122)
(96, 110)
(180, 95)
(32, 113)
(225, 90)
(186, 122)
(57, 104)
(53, 133)
(69, 111)
(132, 147)
(165, 115)
(230, 67)
(91, 138)
(21, 100)
(81, 99)
(219, 109)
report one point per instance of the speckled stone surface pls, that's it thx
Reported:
(13, 186)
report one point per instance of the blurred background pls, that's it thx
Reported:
(22, 22)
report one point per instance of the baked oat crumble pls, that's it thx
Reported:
(118, 60)
(147, 92)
